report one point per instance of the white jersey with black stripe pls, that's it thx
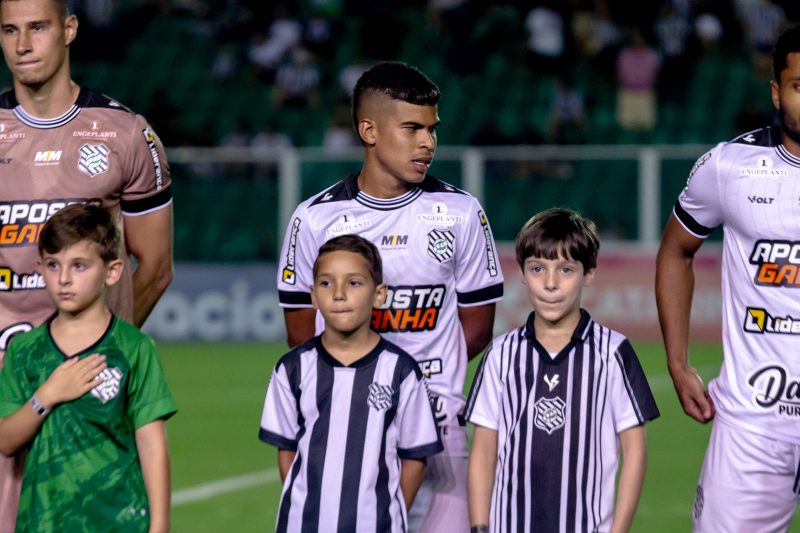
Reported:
(751, 186)
(438, 254)
(558, 420)
(350, 426)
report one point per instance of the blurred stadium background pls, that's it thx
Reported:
(250, 99)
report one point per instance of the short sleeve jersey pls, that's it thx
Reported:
(82, 470)
(349, 426)
(751, 186)
(99, 152)
(438, 253)
(557, 421)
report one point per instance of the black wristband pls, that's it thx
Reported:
(481, 528)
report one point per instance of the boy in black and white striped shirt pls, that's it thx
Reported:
(554, 400)
(348, 411)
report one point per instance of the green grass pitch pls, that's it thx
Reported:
(223, 477)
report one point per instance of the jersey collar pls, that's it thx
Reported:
(381, 204)
(48, 123)
(88, 349)
(361, 362)
(578, 336)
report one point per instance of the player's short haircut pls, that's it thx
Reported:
(61, 5)
(357, 245)
(398, 81)
(81, 222)
(788, 42)
(559, 232)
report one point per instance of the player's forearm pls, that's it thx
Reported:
(480, 475)
(631, 478)
(674, 289)
(19, 429)
(151, 446)
(412, 474)
(150, 280)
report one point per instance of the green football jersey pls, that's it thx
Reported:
(82, 470)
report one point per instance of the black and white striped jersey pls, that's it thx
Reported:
(558, 420)
(350, 426)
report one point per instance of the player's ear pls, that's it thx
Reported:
(313, 297)
(776, 95)
(380, 295)
(114, 271)
(588, 277)
(70, 29)
(367, 131)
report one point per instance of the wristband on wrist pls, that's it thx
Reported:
(38, 408)
(481, 528)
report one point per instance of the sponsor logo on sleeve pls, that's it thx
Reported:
(289, 273)
(697, 164)
(411, 308)
(775, 389)
(430, 367)
(150, 139)
(491, 257)
(778, 263)
(93, 159)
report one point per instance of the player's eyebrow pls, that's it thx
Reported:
(420, 125)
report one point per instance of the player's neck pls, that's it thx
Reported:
(554, 336)
(347, 348)
(50, 100)
(380, 184)
(792, 146)
(74, 332)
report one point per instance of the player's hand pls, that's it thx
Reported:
(694, 397)
(72, 379)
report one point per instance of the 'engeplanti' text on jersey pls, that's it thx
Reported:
(438, 253)
(557, 420)
(99, 152)
(751, 186)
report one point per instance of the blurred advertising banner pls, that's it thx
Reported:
(622, 295)
(229, 302)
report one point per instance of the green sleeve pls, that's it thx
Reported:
(12, 396)
(149, 398)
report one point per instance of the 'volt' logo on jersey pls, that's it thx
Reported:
(778, 263)
(394, 241)
(760, 321)
(47, 157)
(409, 308)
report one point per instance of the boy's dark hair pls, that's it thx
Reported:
(559, 232)
(788, 42)
(357, 245)
(81, 222)
(398, 81)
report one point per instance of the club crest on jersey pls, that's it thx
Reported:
(93, 159)
(380, 396)
(109, 388)
(549, 414)
(440, 245)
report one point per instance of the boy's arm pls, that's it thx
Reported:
(70, 380)
(412, 474)
(631, 477)
(285, 460)
(151, 446)
(480, 474)
(674, 288)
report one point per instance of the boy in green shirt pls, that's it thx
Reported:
(96, 461)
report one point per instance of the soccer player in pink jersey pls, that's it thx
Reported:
(62, 144)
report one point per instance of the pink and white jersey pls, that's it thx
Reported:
(98, 151)
(438, 253)
(751, 186)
